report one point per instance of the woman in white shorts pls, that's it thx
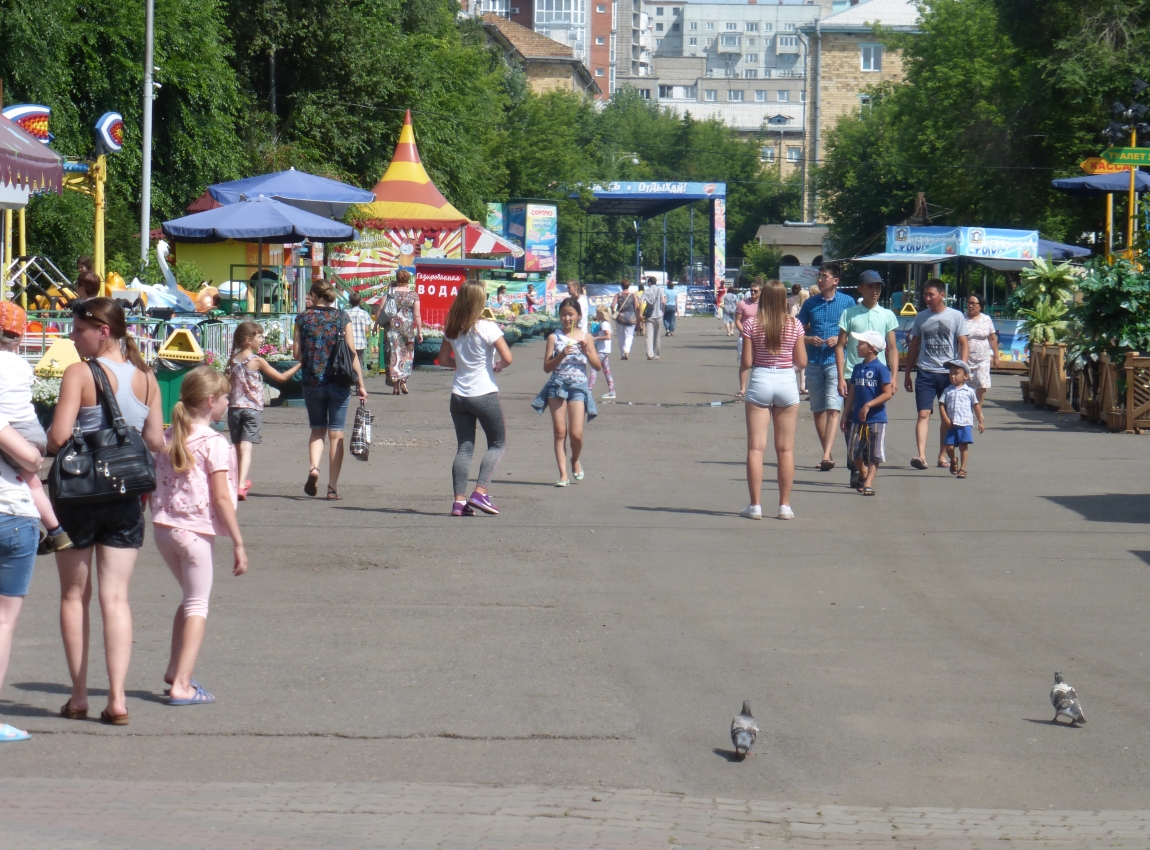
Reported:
(773, 348)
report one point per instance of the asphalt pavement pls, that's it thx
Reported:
(898, 651)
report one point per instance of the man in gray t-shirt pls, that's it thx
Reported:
(938, 335)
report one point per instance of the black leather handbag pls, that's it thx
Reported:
(341, 367)
(105, 465)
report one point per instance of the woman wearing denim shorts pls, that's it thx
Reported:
(318, 330)
(19, 534)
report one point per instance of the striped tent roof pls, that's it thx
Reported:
(405, 195)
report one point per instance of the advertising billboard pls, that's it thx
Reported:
(535, 229)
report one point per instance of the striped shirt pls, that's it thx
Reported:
(785, 358)
(360, 322)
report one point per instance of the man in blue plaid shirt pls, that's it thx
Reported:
(360, 322)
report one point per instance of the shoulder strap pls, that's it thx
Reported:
(106, 397)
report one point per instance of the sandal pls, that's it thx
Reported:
(918, 463)
(69, 713)
(826, 465)
(960, 474)
(867, 491)
(332, 495)
(113, 719)
(312, 479)
(403, 387)
(943, 464)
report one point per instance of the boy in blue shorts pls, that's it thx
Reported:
(958, 407)
(869, 390)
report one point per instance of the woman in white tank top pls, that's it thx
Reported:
(106, 535)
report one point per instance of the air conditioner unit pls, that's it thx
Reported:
(515, 10)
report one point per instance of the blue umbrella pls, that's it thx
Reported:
(1093, 185)
(318, 195)
(256, 220)
(1060, 250)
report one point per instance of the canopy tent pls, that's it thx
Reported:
(994, 248)
(405, 197)
(256, 219)
(27, 166)
(480, 240)
(1096, 185)
(318, 195)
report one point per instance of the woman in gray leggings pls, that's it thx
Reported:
(470, 346)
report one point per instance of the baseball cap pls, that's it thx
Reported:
(13, 319)
(871, 338)
(961, 364)
(870, 276)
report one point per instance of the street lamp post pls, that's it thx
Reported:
(149, 96)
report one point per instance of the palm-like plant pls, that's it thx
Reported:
(1045, 322)
(1054, 282)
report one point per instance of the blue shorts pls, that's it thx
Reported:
(19, 536)
(957, 435)
(929, 386)
(326, 406)
(823, 385)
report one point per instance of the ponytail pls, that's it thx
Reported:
(105, 311)
(198, 385)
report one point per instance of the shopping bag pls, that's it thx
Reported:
(361, 433)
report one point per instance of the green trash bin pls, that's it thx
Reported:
(170, 376)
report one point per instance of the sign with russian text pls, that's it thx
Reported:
(1097, 165)
(436, 289)
(1127, 156)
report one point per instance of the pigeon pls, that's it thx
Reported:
(743, 731)
(1064, 700)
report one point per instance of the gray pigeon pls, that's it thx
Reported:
(1065, 702)
(743, 731)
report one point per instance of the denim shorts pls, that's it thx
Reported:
(19, 536)
(773, 387)
(326, 406)
(118, 524)
(928, 386)
(823, 385)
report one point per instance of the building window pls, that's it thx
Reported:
(710, 25)
(767, 154)
(871, 57)
(666, 91)
(675, 27)
(789, 27)
(864, 103)
(658, 43)
(710, 41)
(693, 42)
(750, 57)
(600, 40)
(760, 96)
(752, 27)
(768, 27)
(788, 41)
(659, 12)
(729, 41)
(694, 25)
(645, 94)
(751, 73)
(561, 12)
(732, 25)
(659, 27)
(601, 8)
(794, 154)
(735, 95)
(750, 42)
(598, 72)
(784, 97)
(802, 96)
(676, 11)
(710, 94)
(710, 72)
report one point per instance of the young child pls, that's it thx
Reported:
(195, 500)
(246, 370)
(16, 406)
(958, 407)
(603, 348)
(869, 390)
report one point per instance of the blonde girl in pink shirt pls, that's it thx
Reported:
(195, 500)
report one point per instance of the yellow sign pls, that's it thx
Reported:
(1097, 165)
(908, 310)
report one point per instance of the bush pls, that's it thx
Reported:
(1113, 313)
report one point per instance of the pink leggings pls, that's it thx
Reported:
(189, 556)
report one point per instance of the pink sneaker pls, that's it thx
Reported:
(484, 504)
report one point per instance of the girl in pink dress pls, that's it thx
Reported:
(195, 500)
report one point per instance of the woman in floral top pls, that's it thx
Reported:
(317, 331)
(400, 312)
(983, 339)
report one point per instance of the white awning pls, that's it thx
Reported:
(911, 259)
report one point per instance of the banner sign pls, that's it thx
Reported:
(436, 289)
(719, 231)
(535, 229)
(982, 242)
(497, 219)
(380, 253)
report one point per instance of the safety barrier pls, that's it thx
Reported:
(1048, 385)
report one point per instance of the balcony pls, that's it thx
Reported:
(729, 44)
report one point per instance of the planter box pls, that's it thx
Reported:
(1116, 419)
(45, 413)
(427, 351)
(292, 388)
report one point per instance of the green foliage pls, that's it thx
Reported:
(1045, 322)
(188, 274)
(761, 260)
(1044, 281)
(1113, 312)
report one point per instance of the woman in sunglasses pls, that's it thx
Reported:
(108, 535)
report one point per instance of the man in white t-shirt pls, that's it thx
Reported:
(656, 303)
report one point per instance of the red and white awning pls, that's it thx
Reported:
(480, 240)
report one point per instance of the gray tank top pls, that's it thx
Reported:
(134, 411)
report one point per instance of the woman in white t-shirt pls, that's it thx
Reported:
(469, 346)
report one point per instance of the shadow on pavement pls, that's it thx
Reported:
(1108, 507)
(404, 511)
(56, 688)
(729, 755)
(679, 510)
(1050, 723)
(1143, 556)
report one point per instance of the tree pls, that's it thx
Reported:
(759, 259)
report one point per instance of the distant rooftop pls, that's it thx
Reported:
(887, 13)
(530, 44)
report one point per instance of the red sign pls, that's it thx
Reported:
(436, 289)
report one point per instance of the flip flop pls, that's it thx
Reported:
(11, 733)
(69, 713)
(312, 478)
(867, 491)
(918, 463)
(960, 474)
(113, 719)
(826, 465)
(202, 697)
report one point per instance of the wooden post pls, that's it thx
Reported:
(1129, 372)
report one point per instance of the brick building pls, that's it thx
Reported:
(846, 59)
(549, 64)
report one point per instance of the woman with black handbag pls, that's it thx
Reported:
(107, 534)
(325, 348)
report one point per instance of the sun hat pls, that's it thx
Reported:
(871, 338)
(959, 364)
(13, 319)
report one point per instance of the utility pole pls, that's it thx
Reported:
(149, 96)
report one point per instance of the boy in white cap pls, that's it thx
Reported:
(869, 390)
(958, 407)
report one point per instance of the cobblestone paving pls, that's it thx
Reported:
(297, 816)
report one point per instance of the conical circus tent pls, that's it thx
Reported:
(409, 218)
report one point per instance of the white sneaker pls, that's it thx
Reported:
(752, 512)
(785, 512)
(607, 395)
